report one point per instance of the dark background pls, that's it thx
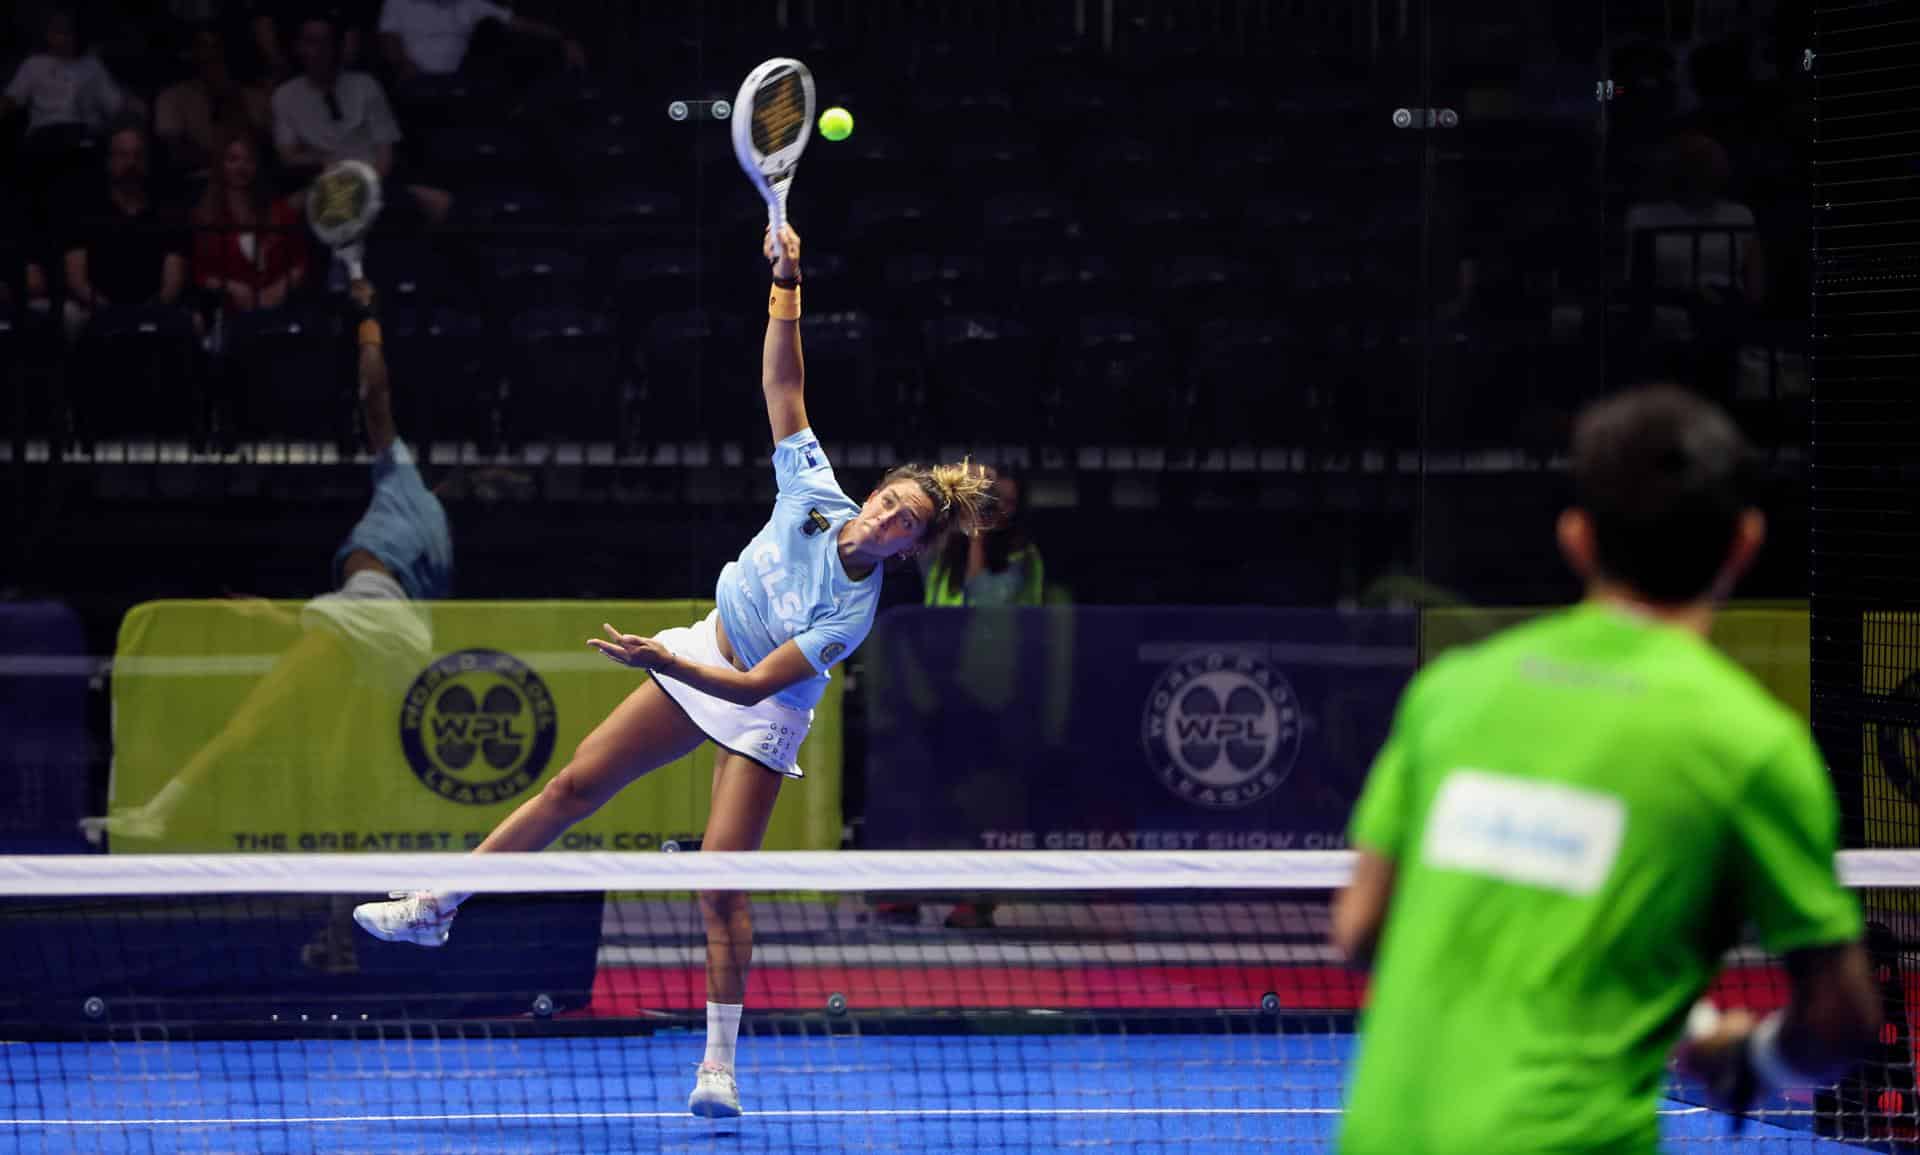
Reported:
(1252, 342)
(1249, 342)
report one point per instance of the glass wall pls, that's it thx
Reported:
(1262, 305)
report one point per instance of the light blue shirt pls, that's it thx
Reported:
(789, 583)
(405, 527)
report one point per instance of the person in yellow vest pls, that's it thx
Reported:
(1001, 567)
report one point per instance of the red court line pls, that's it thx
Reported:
(620, 991)
(633, 990)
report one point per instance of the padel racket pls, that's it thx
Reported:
(772, 119)
(341, 207)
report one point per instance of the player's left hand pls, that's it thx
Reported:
(632, 650)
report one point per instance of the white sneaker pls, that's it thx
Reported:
(715, 1094)
(412, 916)
(137, 822)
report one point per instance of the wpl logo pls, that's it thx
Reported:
(1221, 728)
(478, 727)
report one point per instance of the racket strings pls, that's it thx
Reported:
(779, 113)
(342, 198)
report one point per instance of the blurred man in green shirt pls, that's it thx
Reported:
(1571, 822)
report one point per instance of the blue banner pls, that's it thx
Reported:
(46, 751)
(1145, 728)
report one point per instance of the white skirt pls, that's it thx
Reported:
(391, 637)
(769, 733)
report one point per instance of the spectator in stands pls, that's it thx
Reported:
(325, 114)
(1694, 171)
(249, 246)
(61, 88)
(68, 97)
(124, 249)
(1700, 245)
(263, 34)
(191, 117)
(432, 37)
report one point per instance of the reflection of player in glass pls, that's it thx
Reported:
(800, 598)
(1570, 823)
(368, 629)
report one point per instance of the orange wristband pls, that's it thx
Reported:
(784, 304)
(370, 332)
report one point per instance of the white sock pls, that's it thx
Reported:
(723, 1029)
(448, 900)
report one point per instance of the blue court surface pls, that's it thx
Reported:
(802, 1092)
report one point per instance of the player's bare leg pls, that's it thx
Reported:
(644, 733)
(743, 796)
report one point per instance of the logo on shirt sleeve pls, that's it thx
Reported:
(831, 650)
(816, 523)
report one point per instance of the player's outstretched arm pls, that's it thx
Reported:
(376, 400)
(783, 668)
(782, 376)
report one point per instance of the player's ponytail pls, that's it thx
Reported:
(962, 495)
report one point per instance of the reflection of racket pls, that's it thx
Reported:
(341, 207)
(772, 118)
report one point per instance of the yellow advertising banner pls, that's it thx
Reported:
(353, 725)
(1768, 641)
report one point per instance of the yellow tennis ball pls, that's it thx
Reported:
(836, 123)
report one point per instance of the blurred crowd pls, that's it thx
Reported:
(1114, 235)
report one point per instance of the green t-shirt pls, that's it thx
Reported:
(1582, 811)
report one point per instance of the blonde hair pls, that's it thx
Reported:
(962, 495)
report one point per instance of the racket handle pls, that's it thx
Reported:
(777, 210)
(351, 255)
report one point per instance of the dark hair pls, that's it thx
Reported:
(1664, 475)
(212, 209)
(1695, 167)
(128, 122)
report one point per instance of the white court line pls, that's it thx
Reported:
(907, 1113)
